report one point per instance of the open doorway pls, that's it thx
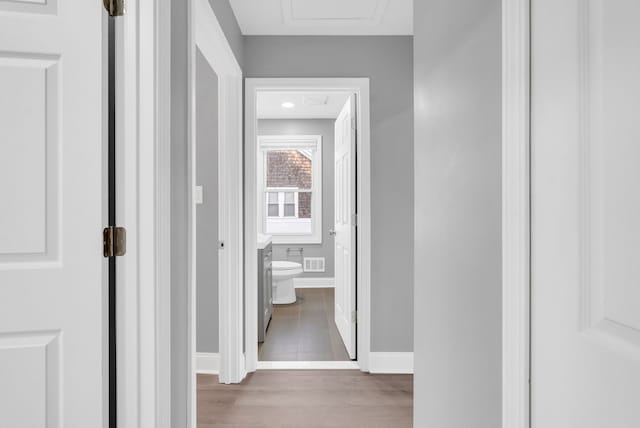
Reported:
(303, 203)
(298, 197)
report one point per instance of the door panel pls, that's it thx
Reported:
(52, 273)
(28, 155)
(345, 237)
(585, 211)
(29, 6)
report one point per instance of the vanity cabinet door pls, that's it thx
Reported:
(268, 289)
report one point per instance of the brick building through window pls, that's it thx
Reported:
(289, 169)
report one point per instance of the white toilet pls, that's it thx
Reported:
(284, 292)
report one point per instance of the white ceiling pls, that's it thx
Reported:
(308, 105)
(324, 17)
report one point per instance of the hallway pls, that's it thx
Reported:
(309, 399)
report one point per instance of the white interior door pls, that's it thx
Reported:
(52, 164)
(585, 214)
(345, 230)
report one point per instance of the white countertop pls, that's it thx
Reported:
(263, 241)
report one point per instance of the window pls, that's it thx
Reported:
(290, 188)
(285, 204)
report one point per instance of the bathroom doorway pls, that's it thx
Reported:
(306, 197)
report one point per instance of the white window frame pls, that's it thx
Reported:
(292, 142)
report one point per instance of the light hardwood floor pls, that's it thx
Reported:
(307, 399)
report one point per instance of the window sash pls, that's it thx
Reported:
(309, 145)
(282, 203)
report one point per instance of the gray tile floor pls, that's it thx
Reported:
(305, 330)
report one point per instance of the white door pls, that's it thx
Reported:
(586, 214)
(345, 230)
(52, 161)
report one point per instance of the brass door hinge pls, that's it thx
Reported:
(114, 241)
(115, 7)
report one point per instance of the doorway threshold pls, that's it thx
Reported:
(308, 365)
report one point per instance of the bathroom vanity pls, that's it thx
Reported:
(265, 275)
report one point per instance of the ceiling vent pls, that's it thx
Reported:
(336, 11)
(333, 9)
(316, 100)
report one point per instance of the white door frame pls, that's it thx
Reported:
(143, 59)
(516, 228)
(144, 185)
(206, 35)
(360, 86)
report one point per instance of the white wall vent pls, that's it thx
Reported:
(314, 264)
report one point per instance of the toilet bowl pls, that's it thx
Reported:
(284, 292)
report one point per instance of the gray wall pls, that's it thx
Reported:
(457, 213)
(179, 50)
(388, 62)
(324, 127)
(207, 213)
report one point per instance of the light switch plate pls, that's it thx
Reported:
(198, 195)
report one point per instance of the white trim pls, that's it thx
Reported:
(162, 174)
(391, 362)
(207, 363)
(206, 35)
(288, 141)
(360, 86)
(515, 213)
(143, 59)
(267, 142)
(308, 365)
(303, 282)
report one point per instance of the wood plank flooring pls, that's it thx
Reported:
(305, 330)
(307, 399)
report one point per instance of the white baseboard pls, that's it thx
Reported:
(391, 362)
(314, 282)
(207, 363)
(308, 365)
